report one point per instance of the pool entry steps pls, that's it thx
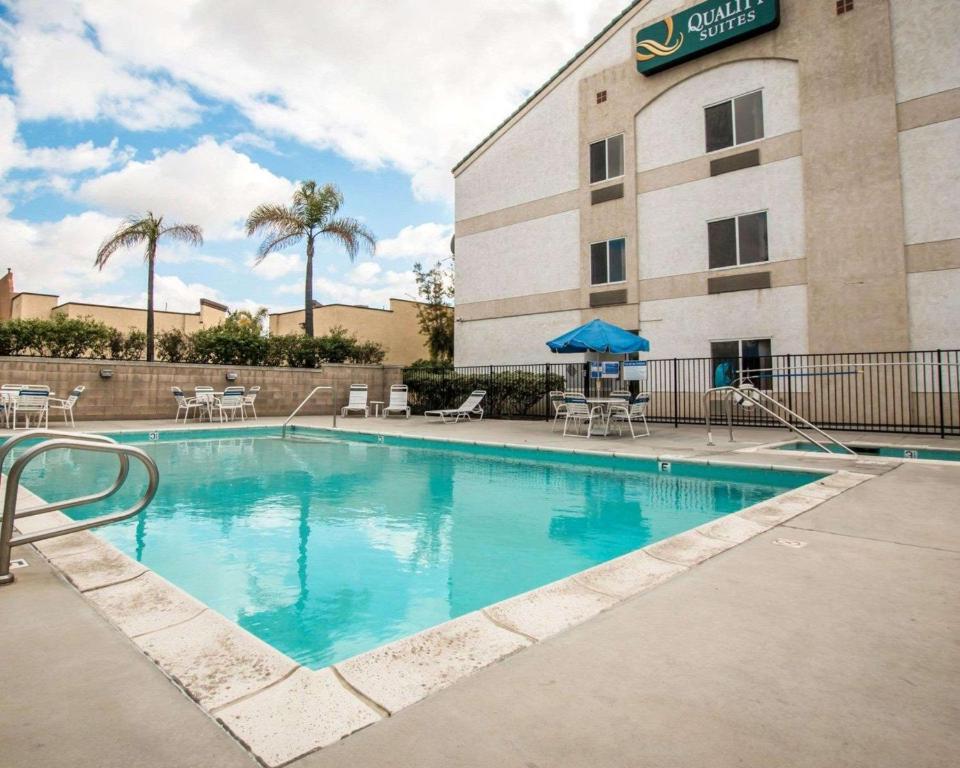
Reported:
(51, 441)
(746, 395)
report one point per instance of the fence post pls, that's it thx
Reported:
(676, 394)
(586, 379)
(789, 382)
(943, 432)
(546, 391)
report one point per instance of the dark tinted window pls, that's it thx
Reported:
(749, 117)
(723, 243)
(618, 269)
(719, 120)
(753, 237)
(598, 161)
(614, 157)
(598, 263)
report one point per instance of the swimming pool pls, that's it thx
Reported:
(335, 543)
(890, 451)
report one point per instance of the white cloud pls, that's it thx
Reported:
(253, 140)
(209, 184)
(173, 295)
(59, 72)
(404, 84)
(421, 241)
(277, 265)
(86, 156)
(367, 284)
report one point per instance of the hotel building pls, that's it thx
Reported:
(728, 178)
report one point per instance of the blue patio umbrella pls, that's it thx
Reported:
(599, 336)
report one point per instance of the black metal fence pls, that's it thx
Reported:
(917, 391)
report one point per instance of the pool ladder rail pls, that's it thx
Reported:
(750, 396)
(333, 388)
(52, 441)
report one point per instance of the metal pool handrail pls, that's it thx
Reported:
(753, 394)
(283, 431)
(78, 443)
(12, 442)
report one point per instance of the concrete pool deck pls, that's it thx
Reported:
(839, 652)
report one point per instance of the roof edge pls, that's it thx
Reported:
(570, 62)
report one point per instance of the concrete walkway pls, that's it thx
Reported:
(841, 652)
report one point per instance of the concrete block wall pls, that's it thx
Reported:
(139, 390)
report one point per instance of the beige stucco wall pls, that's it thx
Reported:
(37, 306)
(396, 328)
(142, 390)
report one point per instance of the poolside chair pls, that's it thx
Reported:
(206, 399)
(66, 405)
(8, 396)
(622, 394)
(559, 407)
(230, 404)
(248, 400)
(398, 401)
(184, 404)
(357, 402)
(470, 408)
(580, 412)
(635, 411)
(33, 399)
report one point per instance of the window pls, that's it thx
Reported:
(740, 240)
(606, 159)
(607, 262)
(736, 121)
(750, 358)
(844, 6)
(601, 97)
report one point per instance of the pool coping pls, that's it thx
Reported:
(280, 710)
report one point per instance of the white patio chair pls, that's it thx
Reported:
(8, 396)
(470, 408)
(32, 399)
(398, 401)
(628, 414)
(184, 404)
(357, 402)
(249, 398)
(580, 412)
(622, 394)
(66, 405)
(558, 405)
(230, 404)
(206, 399)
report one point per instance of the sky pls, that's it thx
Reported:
(199, 110)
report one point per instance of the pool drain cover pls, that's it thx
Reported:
(19, 563)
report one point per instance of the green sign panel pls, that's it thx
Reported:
(701, 29)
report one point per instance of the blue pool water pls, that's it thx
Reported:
(328, 547)
(896, 452)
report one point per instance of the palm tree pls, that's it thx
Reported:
(313, 214)
(147, 229)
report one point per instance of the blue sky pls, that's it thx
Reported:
(200, 110)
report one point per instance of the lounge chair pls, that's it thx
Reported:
(635, 411)
(580, 412)
(398, 401)
(59, 404)
(357, 402)
(469, 409)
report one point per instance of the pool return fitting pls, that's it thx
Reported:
(77, 441)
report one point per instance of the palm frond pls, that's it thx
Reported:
(274, 218)
(130, 234)
(190, 234)
(275, 242)
(316, 205)
(352, 235)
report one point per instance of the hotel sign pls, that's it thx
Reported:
(701, 29)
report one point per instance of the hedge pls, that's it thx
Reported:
(509, 393)
(230, 343)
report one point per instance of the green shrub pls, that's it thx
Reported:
(173, 346)
(509, 393)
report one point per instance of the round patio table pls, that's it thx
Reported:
(607, 404)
